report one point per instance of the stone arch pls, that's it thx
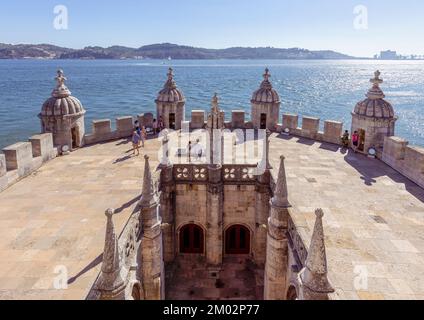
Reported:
(238, 239)
(191, 239)
(136, 293)
(292, 293)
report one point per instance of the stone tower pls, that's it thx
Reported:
(373, 118)
(63, 116)
(170, 104)
(275, 282)
(314, 284)
(265, 105)
(152, 270)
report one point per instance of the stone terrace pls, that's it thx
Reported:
(56, 217)
(374, 217)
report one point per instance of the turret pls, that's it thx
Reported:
(170, 104)
(63, 116)
(265, 105)
(373, 118)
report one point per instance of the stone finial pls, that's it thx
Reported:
(281, 195)
(170, 74)
(170, 84)
(61, 91)
(148, 197)
(267, 75)
(314, 276)
(266, 84)
(375, 92)
(111, 277)
(376, 80)
(215, 103)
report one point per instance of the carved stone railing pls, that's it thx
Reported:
(231, 174)
(239, 173)
(189, 173)
(297, 242)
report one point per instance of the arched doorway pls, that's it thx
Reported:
(291, 293)
(136, 292)
(237, 240)
(263, 121)
(192, 239)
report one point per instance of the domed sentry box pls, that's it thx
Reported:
(373, 119)
(63, 116)
(170, 104)
(265, 105)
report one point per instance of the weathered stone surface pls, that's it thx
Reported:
(103, 126)
(197, 119)
(237, 119)
(310, 126)
(333, 131)
(42, 146)
(19, 157)
(290, 121)
(2, 165)
(408, 160)
(124, 126)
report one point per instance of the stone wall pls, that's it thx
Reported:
(102, 130)
(407, 160)
(23, 158)
(333, 130)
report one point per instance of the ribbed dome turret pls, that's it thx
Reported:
(266, 94)
(375, 106)
(170, 93)
(62, 103)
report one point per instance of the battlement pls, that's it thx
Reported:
(333, 130)
(102, 130)
(407, 160)
(23, 158)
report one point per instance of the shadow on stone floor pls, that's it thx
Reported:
(190, 279)
(90, 266)
(371, 169)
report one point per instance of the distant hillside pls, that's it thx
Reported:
(160, 51)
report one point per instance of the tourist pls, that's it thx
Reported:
(355, 141)
(199, 150)
(345, 139)
(137, 127)
(189, 151)
(136, 143)
(161, 124)
(155, 126)
(143, 136)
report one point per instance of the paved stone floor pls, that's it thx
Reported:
(374, 218)
(189, 279)
(56, 218)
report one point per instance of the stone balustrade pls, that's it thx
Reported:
(407, 160)
(235, 174)
(23, 158)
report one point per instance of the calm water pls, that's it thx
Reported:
(107, 89)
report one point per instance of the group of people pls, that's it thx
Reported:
(355, 140)
(140, 134)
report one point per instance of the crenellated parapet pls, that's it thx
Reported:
(23, 158)
(407, 160)
(102, 130)
(310, 128)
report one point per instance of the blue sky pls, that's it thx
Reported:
(311, 24)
